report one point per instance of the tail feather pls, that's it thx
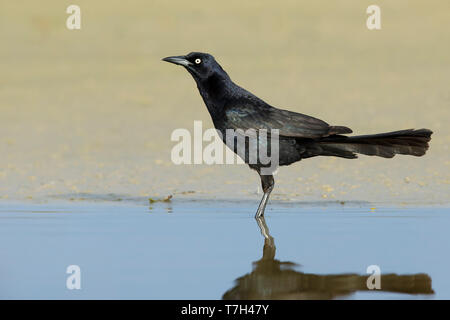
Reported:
(386, 145)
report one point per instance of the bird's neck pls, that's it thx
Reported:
(215, 91)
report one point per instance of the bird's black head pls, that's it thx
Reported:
(200, 65)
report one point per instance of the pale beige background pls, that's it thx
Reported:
(91, 111)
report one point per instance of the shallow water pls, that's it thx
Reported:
(214, 250)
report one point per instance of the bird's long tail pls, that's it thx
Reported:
(386, 145)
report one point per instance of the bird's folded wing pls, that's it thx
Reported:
(289, 124)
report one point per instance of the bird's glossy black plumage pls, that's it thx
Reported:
(300, 136)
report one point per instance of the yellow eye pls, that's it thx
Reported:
(197, 61)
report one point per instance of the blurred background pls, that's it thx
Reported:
(88, 114)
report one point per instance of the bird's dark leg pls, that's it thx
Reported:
(267, 183)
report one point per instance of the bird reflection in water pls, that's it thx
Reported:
(274, 279)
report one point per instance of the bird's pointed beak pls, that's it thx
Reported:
(180, 60)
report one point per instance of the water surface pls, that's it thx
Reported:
(214, 250)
